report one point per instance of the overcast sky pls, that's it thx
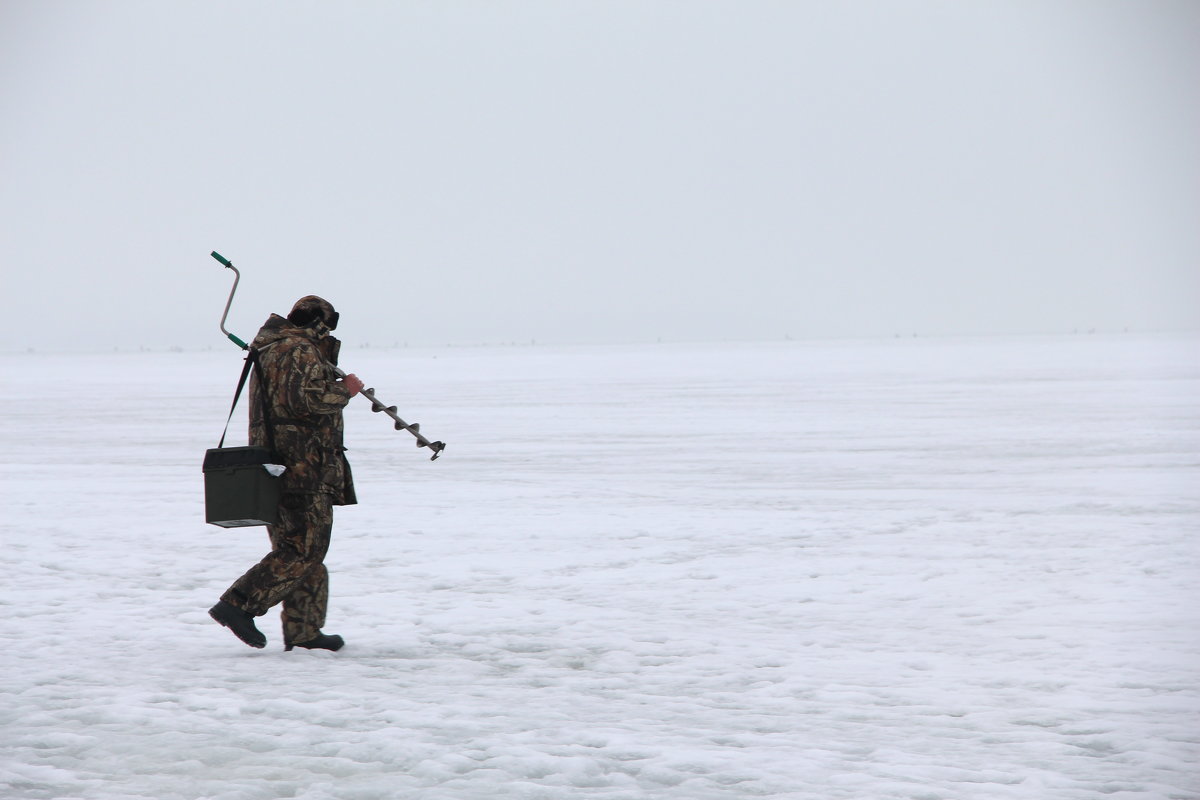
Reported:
(468, 172)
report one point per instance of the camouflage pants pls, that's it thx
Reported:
(293, 573)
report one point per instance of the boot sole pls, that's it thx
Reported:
(233, 630)
(310, 646)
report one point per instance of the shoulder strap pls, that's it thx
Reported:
(252, 361)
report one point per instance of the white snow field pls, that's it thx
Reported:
(912, 568)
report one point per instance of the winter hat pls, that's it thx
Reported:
(310, 309)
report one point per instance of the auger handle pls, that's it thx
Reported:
(237, 277)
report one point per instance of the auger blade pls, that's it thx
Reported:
(401, 425)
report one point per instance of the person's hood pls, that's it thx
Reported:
(278, 328)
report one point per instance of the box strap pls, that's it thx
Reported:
(252, 361)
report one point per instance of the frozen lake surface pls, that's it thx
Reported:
(926, 569)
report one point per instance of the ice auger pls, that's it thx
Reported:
(376, 404)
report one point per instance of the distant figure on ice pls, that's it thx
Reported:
(305, 399)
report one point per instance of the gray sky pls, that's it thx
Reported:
(463, 172)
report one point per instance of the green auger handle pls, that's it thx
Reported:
(237, 276)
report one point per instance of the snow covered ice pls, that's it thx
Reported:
(915, 568)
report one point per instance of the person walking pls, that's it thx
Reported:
(304, 399)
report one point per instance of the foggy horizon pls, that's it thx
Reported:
(471, 173)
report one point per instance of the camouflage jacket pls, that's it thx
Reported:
(306, 401)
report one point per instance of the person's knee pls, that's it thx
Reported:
(290, 564)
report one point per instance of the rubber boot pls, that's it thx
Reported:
(238, 621)
(322, 641)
